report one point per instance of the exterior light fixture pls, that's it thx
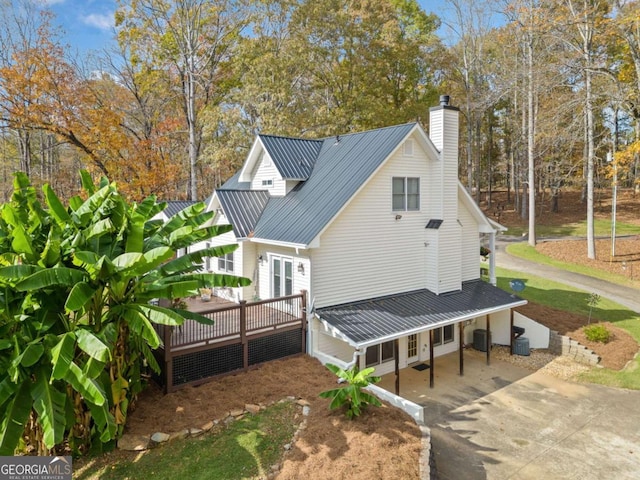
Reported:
(301, 268)
(398, 217)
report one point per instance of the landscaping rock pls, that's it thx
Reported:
(208, 426)
(133, 443)
(179, 435)
(195, 432)
(306, 410)
(160, 437)
(303, 403)
(251, 408)
(236, 412)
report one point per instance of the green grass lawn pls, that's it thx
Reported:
(563, 297)
(247, 448)
(579, 229)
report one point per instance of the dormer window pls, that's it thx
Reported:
(267, 183)
(406, 194)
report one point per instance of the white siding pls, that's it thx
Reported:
(239, 264)
(366, 252)
(333, 347)
(470, 244)
(265, 170)
(301, 280)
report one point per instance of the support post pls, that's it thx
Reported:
(431, 365)
(243, 334)
(304, 321)
(461, 348)
(488, 339)
(396, 346)
(511, 335)
(167, 331)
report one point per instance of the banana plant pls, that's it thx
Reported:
(76, 322)
(350, 395)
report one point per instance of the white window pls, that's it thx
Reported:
(281, 277)
(267, 183)
(405, 194)
(225, 264)
(443, 335)
(408, 148)
(383, 352)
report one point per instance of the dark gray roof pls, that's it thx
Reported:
(243, 208)
(372, 321)
(293, 157)
(176, 206)
(340, 170)
(234, 184)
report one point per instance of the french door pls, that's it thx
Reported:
(281, 277)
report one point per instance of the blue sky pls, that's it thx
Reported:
(88, 24)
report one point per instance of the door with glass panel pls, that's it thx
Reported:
(412, 348)
(282, 278)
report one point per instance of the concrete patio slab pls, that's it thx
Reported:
(502, 422)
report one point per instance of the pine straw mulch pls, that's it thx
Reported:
(383, 443)
(615, 354)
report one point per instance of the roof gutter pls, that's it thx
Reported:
(297, 246)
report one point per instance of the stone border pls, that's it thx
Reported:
(139, 443)
(567, 347)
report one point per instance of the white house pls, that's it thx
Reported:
(379, 231)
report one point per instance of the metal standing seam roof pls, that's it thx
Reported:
(343, 165)
(372, 321)
(293, 157)
(176, 206)
(243, 208)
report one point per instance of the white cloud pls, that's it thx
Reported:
(99, 20)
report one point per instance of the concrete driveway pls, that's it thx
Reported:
(539, 427)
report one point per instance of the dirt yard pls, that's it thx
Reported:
(384, 443)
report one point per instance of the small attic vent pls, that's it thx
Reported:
(408, 147)
(434, 224)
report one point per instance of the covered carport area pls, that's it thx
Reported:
(364, 324)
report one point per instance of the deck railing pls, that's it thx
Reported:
(242, 335)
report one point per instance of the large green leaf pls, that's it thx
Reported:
(31, 354)
(51, 254)
(92, 345)
(162, 316)
(89, 206)
(79, 296)
(140, 325)
(129, 261)
(87, 387)
(56, 208)
(49, 403)
(7, 389)
(101, 227)
(17, 272)
(62, 355)
(135, 234)
(172, 289)
(52, 276)
(15, 417)
(104, 420)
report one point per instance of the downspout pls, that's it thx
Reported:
(356, 353)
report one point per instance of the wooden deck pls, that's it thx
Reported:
(260, 317)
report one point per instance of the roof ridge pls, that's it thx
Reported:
(290, 138)
(371, 130)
